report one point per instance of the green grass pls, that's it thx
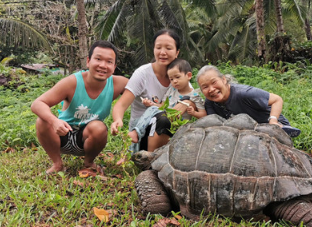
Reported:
(29, 197)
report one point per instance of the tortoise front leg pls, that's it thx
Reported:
(152, 193)
(296, 211)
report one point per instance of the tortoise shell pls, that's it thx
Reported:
(233, 167)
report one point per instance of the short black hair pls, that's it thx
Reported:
(103, 44)
(183, 65)
(169, 32)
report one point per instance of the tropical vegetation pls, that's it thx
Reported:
(266, 44)
(242, 31)
(29, 197)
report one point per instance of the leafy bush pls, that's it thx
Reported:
(17, 122)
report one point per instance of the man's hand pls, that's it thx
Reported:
(61, 127)
(114, 127)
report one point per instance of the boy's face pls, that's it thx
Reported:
(179, 80)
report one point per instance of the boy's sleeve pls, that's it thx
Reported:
(198, 101)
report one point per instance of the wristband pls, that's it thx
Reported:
(272, 117)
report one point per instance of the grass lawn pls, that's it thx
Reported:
(29, 197)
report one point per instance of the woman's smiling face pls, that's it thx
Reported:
(165, 50)
(214, 87)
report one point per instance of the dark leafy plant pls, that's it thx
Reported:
(174, 116)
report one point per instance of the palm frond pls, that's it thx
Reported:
(244, 44)
(141, 27)
(19, 33)
(293, 9)
(208, 5)
(107, 22)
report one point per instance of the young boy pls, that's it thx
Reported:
(180, 73)
(79, 129)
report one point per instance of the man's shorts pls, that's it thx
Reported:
(72, 142)
(159, 124)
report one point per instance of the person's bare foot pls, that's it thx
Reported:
(55, 169)
(134, 136)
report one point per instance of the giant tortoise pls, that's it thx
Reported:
(234, 167)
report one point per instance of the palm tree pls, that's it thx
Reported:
(18, 33)
(301, 12)
(279, 18)
(227, 32)
(132, 23)
(82, 33)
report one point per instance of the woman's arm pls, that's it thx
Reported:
(119, 110)
(276, 103)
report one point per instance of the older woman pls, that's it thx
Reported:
(225, 98)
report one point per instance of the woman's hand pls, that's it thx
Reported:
(115, 125)
(146, 102)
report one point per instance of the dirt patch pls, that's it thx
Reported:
(3, 80)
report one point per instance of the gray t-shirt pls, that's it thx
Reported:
(144, 83)
(244, 99)
(174, 95)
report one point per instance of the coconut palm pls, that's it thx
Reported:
(234, 28)
(132, 24)
(300, 11)
(18, 33)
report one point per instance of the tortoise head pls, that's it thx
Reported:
(142, 159)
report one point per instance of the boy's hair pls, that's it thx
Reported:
(103, 44)
(181, 64)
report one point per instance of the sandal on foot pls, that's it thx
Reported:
(291, 131)
(97, 170)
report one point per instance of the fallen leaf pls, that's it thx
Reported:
(101, 214)
(110, 204)
(178, 216)
(121, 161)
(33, 147)
(165, 221)
(103, 178)
(175, 222)
(112, 213)
(110, 154)
(118, 176)
(9, 149)
(78, 183)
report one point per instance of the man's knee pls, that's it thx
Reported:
(42, 126)
(96, 129)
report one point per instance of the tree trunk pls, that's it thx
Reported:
(307, 29)
(82, 33)
(260, 29)
(279, 18)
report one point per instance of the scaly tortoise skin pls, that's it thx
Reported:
(234, 167)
